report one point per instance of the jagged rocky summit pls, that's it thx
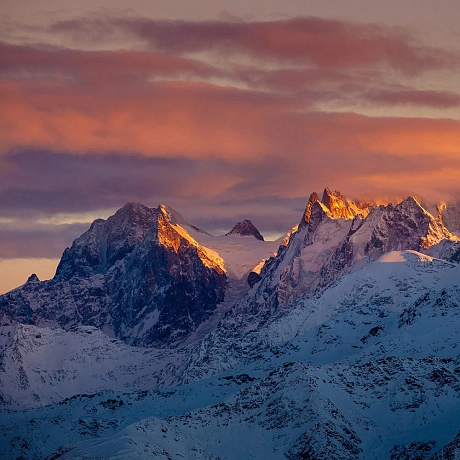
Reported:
(326, 245)
(136, 276)
(139, 276)
(345, 346)
(335, 205)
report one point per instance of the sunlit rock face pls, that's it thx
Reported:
(345, 346)
(307, 214)
(336, 206)
(334, 201)
(136, 276)
(328, 243)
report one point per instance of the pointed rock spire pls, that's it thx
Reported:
(314, 206)
(33, 278)
(245, 228)
(307, 213)
(334, 201)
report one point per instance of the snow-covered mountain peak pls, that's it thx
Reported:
(326, 247)
(314, 198)
(132, 214)
(345, 346)
(136, 275)
(175, 218)
(314, 213)
(411, 204)
(435, 231)
(107, 241)
(245, 228)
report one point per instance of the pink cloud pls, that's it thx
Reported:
(315, 41)
(161, 104)
(210, 115)
(125, 67)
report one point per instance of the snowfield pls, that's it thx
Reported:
(346, 347)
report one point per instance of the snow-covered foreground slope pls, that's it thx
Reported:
(369, 368)
(40, 366)
(343, 345)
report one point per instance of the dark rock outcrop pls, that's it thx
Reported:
(134, 275)
(253, 278)
(245, 228)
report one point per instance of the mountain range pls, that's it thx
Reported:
(157, 339)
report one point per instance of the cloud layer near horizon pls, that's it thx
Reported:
(223, 120)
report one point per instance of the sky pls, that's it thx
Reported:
(222, 111)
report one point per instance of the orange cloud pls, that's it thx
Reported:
(241, 130)
(186, 119)
(167, 118)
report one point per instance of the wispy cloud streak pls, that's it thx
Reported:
(323, 42)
